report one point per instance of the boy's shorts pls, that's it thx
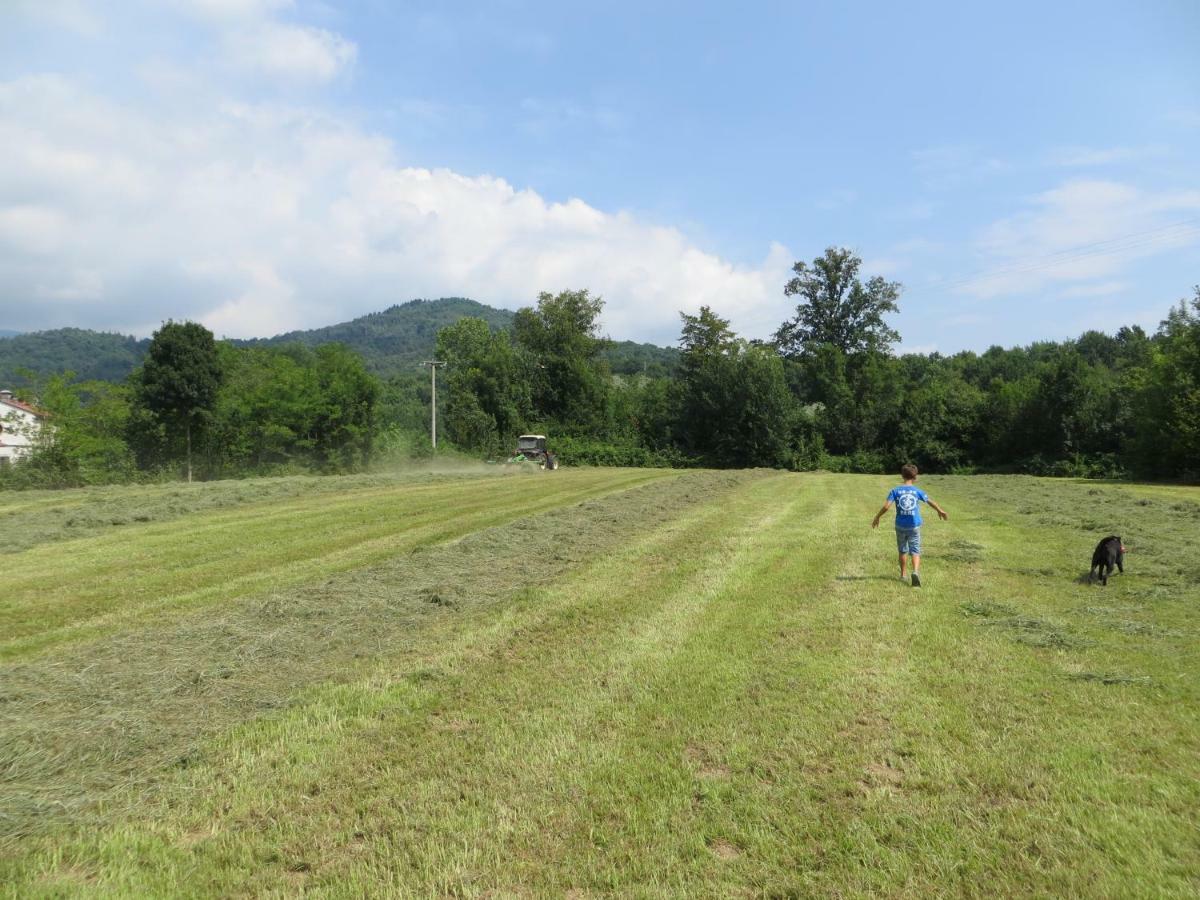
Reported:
(908, 540)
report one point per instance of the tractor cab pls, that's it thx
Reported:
(532, 448)
(534, 442)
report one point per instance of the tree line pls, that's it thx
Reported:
(829, 391)
(826, 391)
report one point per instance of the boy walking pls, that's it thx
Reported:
(908, 498)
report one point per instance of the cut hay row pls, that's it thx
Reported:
(62, 591)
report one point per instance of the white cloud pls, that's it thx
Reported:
(35, 231)
(225, 10)
(1080, 233)
(297, 52)
(260, 219)
(254, 39)
(72, 15)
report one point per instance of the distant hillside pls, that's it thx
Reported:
(391, 342)
(399, 337)
(4, 332)
(97, 355)
(629, 358)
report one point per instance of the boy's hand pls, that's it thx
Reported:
(875, 522)
(943, 515)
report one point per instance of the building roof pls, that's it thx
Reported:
(17, 404)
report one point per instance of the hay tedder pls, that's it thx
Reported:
(531, 450)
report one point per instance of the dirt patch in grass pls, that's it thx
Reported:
(121, 711)
(723, 849)
(881, 775)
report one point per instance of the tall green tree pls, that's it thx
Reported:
(265, 410)
(561, 342)
(177, 384)
(735, 408)
(837, 308)
(487, 390)
(342, 430)
(1167, 388)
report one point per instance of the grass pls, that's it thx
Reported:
(64, 591)
(707, 684)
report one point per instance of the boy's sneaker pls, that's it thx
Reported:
(916, 581)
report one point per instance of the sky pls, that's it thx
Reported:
(1027, 171)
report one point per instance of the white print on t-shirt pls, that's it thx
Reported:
(906, 502)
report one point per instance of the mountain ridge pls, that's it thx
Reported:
(391, 341)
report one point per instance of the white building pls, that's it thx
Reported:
(19, 425)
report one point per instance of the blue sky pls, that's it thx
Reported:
(261, 165)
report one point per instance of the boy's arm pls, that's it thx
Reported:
(887, 504)
(942, 514)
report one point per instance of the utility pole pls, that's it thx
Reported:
(433, 367)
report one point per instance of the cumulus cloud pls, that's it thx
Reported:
(232, 10)
(252, 37)
(1082, 234)
(297, 52)
(72, 15)
(258, 219)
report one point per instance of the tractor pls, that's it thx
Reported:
(531, 448)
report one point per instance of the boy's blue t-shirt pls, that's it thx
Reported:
(908, 498)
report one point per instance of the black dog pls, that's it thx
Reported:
(1109, 552)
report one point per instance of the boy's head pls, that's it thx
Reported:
(908, 472)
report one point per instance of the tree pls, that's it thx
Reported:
(343, 427)
(562, 344)
(81, 439)
(836, 308)
(487, 390)
(1167, 390)
(177, 385)
(265, 409)
(735, 408)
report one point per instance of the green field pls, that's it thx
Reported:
(595, 683)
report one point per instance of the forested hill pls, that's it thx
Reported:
(4, 332)
(91, 355)
(391, 341)
(401, 336)
(397, 338)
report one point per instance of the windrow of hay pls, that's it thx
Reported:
(118, 713)
(30, 518)
(108, 582)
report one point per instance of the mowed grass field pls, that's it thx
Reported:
(597, 683)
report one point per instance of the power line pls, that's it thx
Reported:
(1126, 243)
(1177, 231)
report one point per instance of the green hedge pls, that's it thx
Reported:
(576, 451)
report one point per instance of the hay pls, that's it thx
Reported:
(99, 720)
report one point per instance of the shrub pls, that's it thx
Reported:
(579, 451)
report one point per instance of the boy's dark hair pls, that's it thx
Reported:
(908, 470)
